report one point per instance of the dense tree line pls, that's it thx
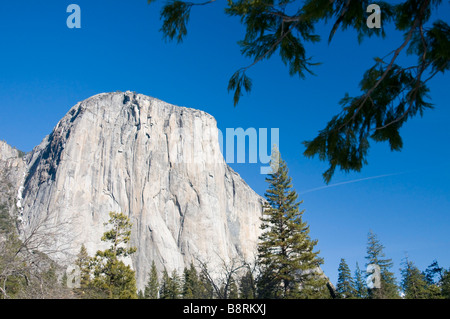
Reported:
(432, 283)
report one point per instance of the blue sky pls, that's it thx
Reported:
(404, 197)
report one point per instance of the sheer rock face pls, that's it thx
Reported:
(158, 163)
(12, 170)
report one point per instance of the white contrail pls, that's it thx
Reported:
(349, 182)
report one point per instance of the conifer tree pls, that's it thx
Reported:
(433, 276)
(152, 288)
(175, 285)
(445, 284)
(433, 271)
(164, 290)
(188, 284)
(111, 275)
(170, 285)
(345, 287)
(247, 289)
(285, 251)
(375, 255)
(413, 283)
(233, 290)
(206, 288)
(360, 284)
(13, 269)
(83, 263)
(192, 287)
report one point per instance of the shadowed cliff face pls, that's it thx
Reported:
(12, 169)
(161, 164)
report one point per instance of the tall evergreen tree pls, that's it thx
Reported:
(413, 282)
(170, 285)
(175, 285)
(164, 289)
(152, 288)
(192, 287)
(360, 284)
(233, 292)
(188, 283)
(375, 255)
(433, 273)
(111, 275)
(83, 262)
(433, 276)
(345, 287)
(445, 284)
(247, 287)
(285, 251)
(206, 288)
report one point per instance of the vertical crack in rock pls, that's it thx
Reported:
(182, 217)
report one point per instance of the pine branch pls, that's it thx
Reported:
(417, 22)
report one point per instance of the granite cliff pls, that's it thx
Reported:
(158, 163)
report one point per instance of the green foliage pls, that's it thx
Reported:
(433, 273)
(25, 272)
(433, 276)
(445, 284)
(190, 283)
(170, 285)
(175, 285)
(352, 14)
(414, 284)
(345, 288)
(83, 263)
(285, 251)
(375, 255)
(193, 287)
(111, 277)
(238, 81)
(164, 292)
(378, 114)
(391, 94)
(360, 284)
(268, 30)
(206, 286)
(247, 287)
(233, 292)
(13, 269)
(6, 222)
(118, 235)
(152, 287)
(175, 16)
